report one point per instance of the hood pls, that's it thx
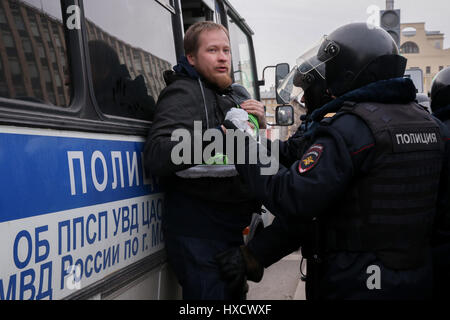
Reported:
(392, 91)
(184, 70)
(399, 90)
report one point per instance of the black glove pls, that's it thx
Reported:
(229, 125)
(238, 264)
(253, 267)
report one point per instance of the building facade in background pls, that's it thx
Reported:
(32, 55)
(424, 50)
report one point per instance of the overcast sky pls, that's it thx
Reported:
(285, 28)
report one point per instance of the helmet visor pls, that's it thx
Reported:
(287, 91)
(300, 78)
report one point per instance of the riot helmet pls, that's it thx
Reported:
(440, 90)
(357, 54)
(307, 81)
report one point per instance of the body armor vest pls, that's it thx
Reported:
(389, 207)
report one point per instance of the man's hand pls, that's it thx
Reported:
(236, 264)
(256, 108)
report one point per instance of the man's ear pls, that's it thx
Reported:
(191, 59)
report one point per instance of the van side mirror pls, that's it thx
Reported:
(281, 71)
(284, 115)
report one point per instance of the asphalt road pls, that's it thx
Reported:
(281, 281)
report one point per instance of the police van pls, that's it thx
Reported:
(79, 80)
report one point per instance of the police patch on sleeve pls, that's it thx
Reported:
(310, 158)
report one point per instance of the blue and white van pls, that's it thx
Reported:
(79, 219)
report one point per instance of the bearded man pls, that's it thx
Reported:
(206, 214)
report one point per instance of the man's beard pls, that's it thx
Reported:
(222, 80)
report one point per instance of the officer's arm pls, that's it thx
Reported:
(293, 148)
(286, 152)
(311, 184)
(278, 240)
(441, 229)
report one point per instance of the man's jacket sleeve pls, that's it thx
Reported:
(173, 111)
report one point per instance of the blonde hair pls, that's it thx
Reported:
(193, 34)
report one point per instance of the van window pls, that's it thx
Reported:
(242, 60)
(130, 45)
(33, 54)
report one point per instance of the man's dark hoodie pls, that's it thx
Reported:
(208, 207)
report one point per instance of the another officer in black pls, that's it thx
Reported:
(370, 180)
(440, 105)
(440, 96)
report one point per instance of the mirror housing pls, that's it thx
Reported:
(284, 116)
(281, 71)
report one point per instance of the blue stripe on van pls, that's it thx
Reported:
(35, 177)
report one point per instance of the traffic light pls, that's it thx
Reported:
(390, 21)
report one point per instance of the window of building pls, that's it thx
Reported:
(441, 68)
(16, 76)
(3, 87)
(242, 59)
(41, 50)
(437, 45)
(122, 84)
(46, 33)
(33, 23)
(26, 44)
(30, 68)
(138, 62)
(428, 70)
(33, 70)
(58, 81)
(8, 40)
(121, 54)
(409, 32)
(2, 16)
(14, 66)
(409, 47)
(35, 78)
(18, 20)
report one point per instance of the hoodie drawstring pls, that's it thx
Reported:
(204, 103)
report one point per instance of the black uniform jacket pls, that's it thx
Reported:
(312, 186)
(441, 254)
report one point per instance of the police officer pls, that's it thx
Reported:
(440, 96)
(369, 180)
(440, 105)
